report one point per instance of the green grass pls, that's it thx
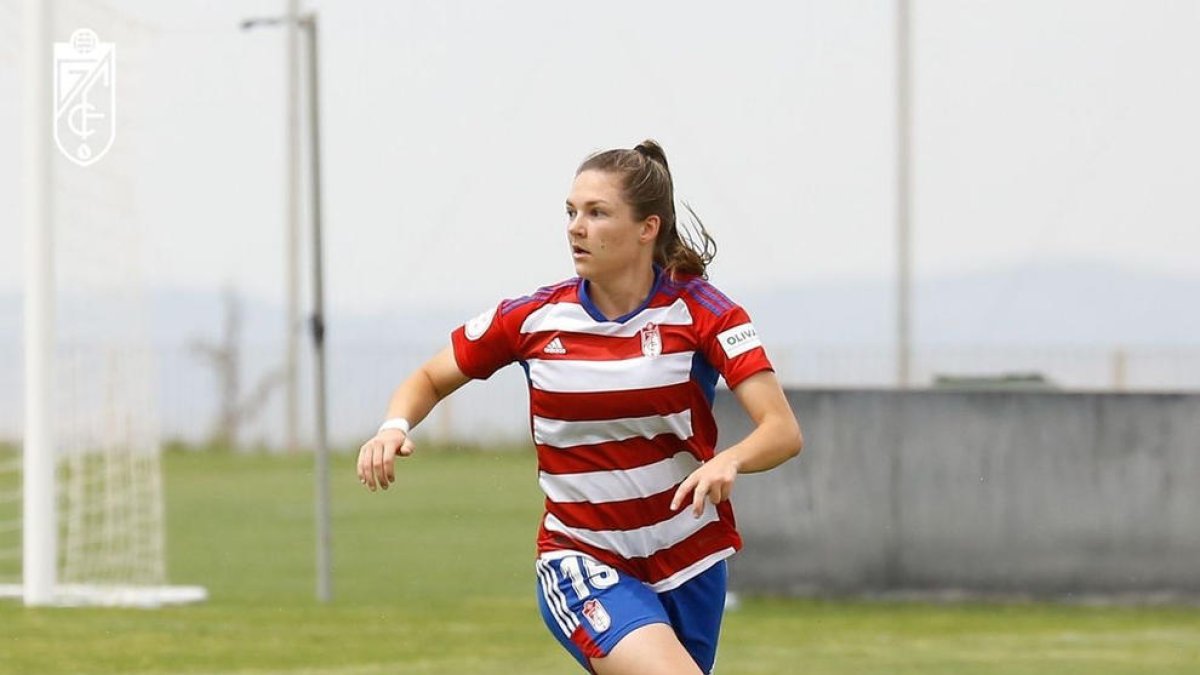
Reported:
(10, 513)
(435, 576)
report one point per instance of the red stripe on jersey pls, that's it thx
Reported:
(609, 405)
(628, 454)
(614, 455)
(711, 538)
(585, 347)
(625, 515)
(557, 541)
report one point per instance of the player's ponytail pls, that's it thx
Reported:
(649, 190)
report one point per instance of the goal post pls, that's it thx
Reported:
(89, 483)
(39, 537)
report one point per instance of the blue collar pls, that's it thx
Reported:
(595, 313)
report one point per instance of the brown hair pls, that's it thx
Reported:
(647, 187)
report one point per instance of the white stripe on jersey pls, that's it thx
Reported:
(573, 318)
(566, 434)
(571, 376)
(695, 569)
(598, 487)
(643, 541)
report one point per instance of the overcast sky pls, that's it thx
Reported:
(1045, 129)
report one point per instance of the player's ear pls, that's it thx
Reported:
(650, 227)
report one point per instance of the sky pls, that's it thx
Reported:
(1044, 130)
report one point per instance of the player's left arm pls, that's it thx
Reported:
(776, 438)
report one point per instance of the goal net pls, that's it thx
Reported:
(106, 523)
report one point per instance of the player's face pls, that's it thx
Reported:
(605, 238)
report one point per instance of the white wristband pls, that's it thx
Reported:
(394, 423)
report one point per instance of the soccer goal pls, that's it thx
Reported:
(81, 503)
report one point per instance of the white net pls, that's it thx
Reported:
(111, 539)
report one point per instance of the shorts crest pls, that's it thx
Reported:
(596, 615)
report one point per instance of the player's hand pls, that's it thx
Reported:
(377, 458)
(712, 482)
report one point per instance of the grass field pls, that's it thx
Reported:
(435, 576)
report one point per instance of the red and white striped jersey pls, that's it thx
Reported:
(621, 413)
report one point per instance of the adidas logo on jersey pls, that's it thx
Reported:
(555, 347)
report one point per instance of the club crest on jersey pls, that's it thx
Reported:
(596, 615)
(651, 340)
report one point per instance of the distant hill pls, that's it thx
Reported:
(1059, 304)
(1064, 303)
(828, 332)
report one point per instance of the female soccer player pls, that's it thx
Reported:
(622, 362)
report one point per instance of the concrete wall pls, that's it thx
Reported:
(1026, 492)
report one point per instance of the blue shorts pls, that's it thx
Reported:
(590, 606)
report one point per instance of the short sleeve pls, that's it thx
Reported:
(731, 344)
(483, 345)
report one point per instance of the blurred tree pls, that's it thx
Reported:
(225, 358)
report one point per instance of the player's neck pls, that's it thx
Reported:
(621, 294)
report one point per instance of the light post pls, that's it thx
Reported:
(308, 23)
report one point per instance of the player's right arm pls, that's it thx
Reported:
(413, 399)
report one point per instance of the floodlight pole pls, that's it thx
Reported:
(308, 22)
(324, 561)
